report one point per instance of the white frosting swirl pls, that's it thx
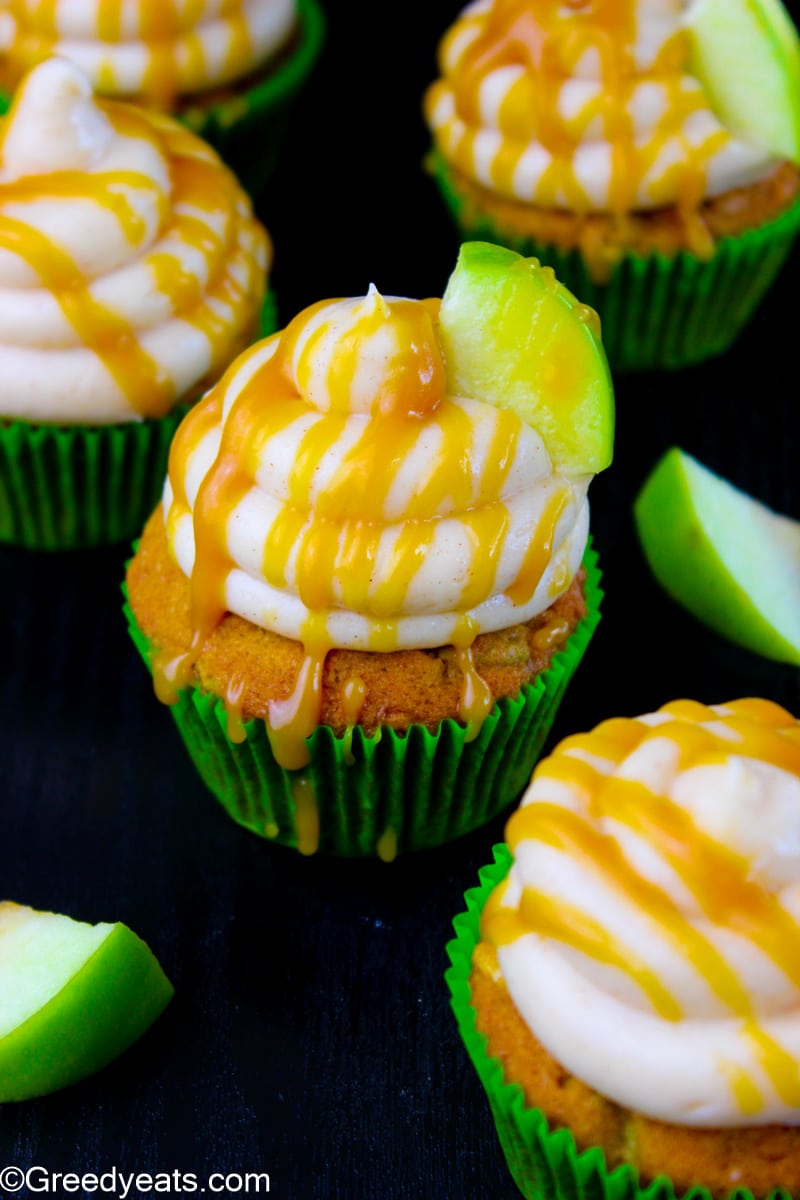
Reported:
(149, 48)
(131, 266)
(649, 931)
(558, 106)
(343, 498)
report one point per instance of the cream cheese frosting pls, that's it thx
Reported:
(585, 105)
(649, 929)
(329, 489)
(132, 268)
(146, 49)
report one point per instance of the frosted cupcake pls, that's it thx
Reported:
(578, 132)
(626, 979)
(364, 593)
(230, 70)
(132, 271)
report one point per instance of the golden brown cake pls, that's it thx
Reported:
(397, 688)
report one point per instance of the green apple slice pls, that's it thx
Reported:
(746, 53)
(516, 338)
(723, 555)
(72, 997)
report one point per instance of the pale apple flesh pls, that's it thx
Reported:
(746, 53)
(730, 560)
(72, 997)
(514, 337)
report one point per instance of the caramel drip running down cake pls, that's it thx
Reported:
(589, 107)
(149, 50)
(166, 288)
(329, 490)
(654, 891)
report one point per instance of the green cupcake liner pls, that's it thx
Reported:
(65, 487)
(389, 793)
(544, 1162)
(656, 311)
(248, 129)
(68, 487)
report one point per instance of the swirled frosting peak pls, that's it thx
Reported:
(587, 105)
(331, 490)
(146, 50)
(131, 266)
(652, 912)
(367, 356)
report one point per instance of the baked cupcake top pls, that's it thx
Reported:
(132, 268)
(585, 105)
(150, 50)
(652, 912)
(335, 489)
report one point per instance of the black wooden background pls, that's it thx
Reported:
(310, 1035)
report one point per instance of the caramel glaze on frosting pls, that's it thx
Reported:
(151, 51)
(582, 105)
(655, 891)
(132, 268)
(330, 490)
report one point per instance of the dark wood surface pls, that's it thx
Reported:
(310, 1035)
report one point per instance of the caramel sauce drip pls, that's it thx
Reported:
(549, 44)
(354, 694)
(196, 184)
(476, 695)
(329, 542)
(719, 879)
(306, 813)
(234, 725)
(386, 846)
(294, 719)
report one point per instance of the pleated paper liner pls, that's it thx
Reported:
(65, 487)
(545, 1163)
(249, 128)
(656, 311)
(390, 793)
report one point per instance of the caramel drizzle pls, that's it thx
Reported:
(197, 183)
(233, 700)
(176, 59)
(718, 878)
(548, 46)
(354, 694)
(306, 813)
(328, 544)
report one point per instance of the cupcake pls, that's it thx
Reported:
(231, 71)
(626, 978)
(368, 582)
(132, 271)
(579, 132)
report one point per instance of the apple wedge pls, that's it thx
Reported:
(723, 555)
(746, 53)
(72, 997)
(516, 338)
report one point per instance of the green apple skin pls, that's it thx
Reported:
(746, 53)
(100, 1011)
(730, 560)
(514, 337)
